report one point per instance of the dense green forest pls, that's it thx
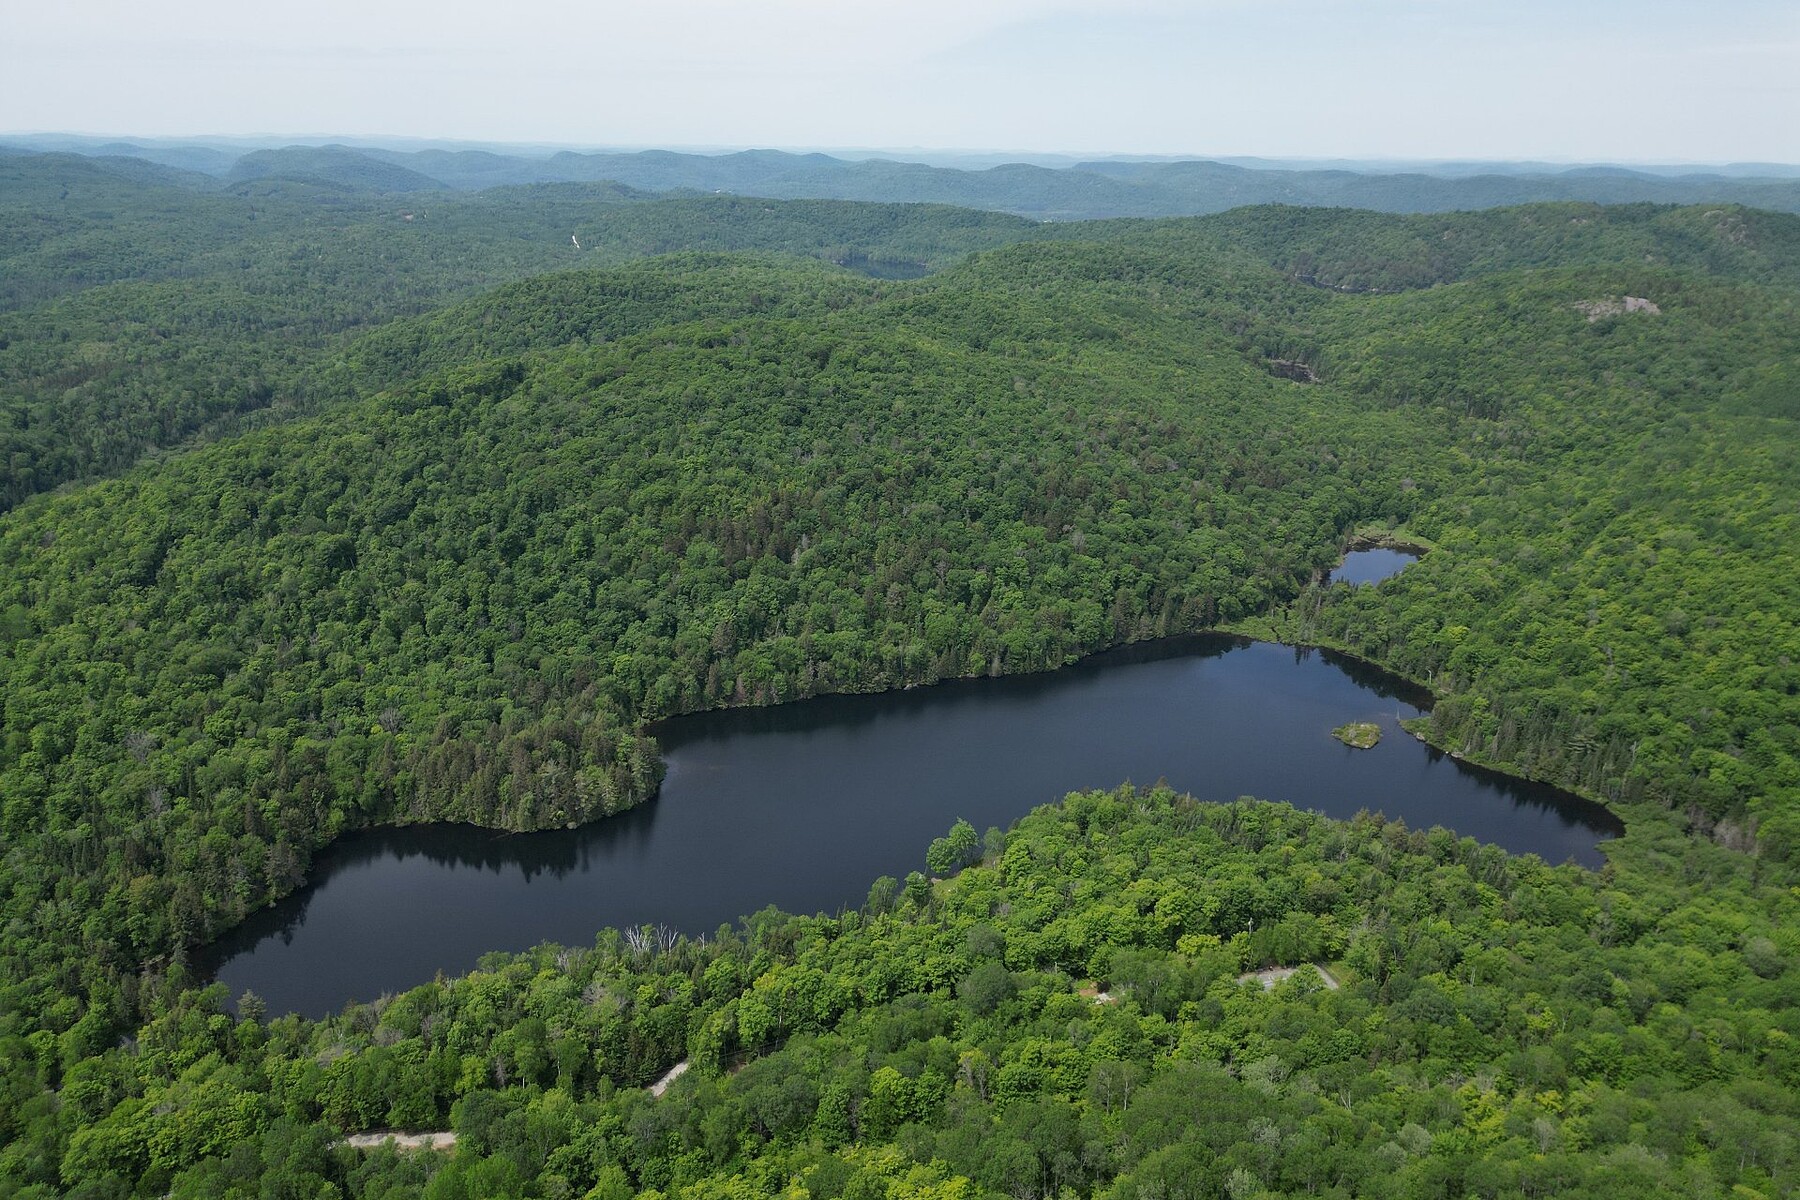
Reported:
(470, 544)
(135, 316)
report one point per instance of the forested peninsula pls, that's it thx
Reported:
(342, 520)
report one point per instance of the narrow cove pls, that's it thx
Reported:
(802, 806)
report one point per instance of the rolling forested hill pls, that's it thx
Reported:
(139, 311)
(136, 316)
(459, 573)
(332, 166)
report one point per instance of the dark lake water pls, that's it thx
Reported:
(1372, 565)
(804, 805)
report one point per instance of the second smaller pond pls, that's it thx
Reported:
(1371, 565)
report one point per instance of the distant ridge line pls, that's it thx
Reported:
(1041, 187)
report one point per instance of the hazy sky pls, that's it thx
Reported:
(1644, 80)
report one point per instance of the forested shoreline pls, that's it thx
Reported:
(478, 548)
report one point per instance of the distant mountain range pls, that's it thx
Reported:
(1050, 188)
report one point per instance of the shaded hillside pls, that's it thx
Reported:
(334, 166)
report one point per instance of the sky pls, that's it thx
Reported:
(1574, 80)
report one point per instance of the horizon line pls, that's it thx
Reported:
(721, 148)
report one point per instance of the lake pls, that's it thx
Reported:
(802, 806)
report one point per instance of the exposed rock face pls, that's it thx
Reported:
(1612, 306)
(1289, 368)
(402, 1141)
(675, 1072)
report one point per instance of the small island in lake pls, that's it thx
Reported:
(1362, 735)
